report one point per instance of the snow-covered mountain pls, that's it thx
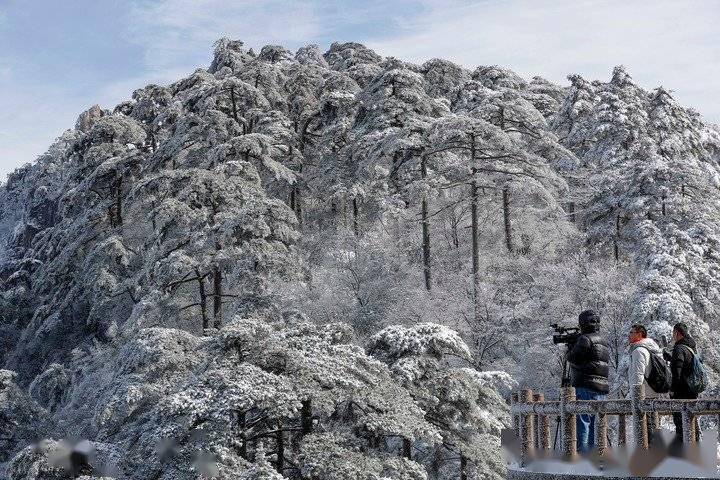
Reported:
(334, 265)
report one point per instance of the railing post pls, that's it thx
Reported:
(655, 420)
(515, 422)
(568, 426)
(653, 426)
(544, 429)
(601, 431)
(537, 398)
(688, 420)
(639, 417)
(622, 430)
(526, 429)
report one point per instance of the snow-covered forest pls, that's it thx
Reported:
(337, 265)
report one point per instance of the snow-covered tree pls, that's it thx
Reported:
(378, 246)
(461, 402)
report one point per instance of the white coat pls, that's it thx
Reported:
(640, 365)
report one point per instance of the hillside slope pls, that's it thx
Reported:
(332, 265)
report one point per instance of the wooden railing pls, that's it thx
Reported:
(532, 416)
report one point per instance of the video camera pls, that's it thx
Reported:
(568, 335)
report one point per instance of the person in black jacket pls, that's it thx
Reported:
(681, 360)
(589, 360)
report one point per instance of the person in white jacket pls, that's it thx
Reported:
(640, 366)
(640, 349)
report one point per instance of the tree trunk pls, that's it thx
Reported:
(298, 199)
(506, 217)
(334, 214)
(306, 418)
(616, 246)
(297, 206)
(407, 449)
(616, 250)
(118, 201)
(463, 467)
(234, 108)
(153, 215)
(425, 228)
(474, 230)
(454, 224)
(455, 234)
(203, 299)
(242, 425)
(217, 297)
(280, 449)
(356, 220)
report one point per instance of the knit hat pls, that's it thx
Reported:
(588, 318)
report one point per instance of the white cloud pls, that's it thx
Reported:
(660, 42)
(169, 29)
(177, 35)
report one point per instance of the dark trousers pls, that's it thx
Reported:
(677, 416)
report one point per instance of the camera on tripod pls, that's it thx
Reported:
(567, 335)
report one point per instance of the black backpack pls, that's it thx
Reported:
(660, 378)
(697, 378)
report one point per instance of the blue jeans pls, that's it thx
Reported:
(586, 422)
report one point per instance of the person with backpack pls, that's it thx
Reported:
(589, 361)
(647, 367)
(646, 362)
(688, 376)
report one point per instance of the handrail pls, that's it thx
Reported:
(531, 418)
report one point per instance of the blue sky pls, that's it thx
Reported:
(59, 57)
